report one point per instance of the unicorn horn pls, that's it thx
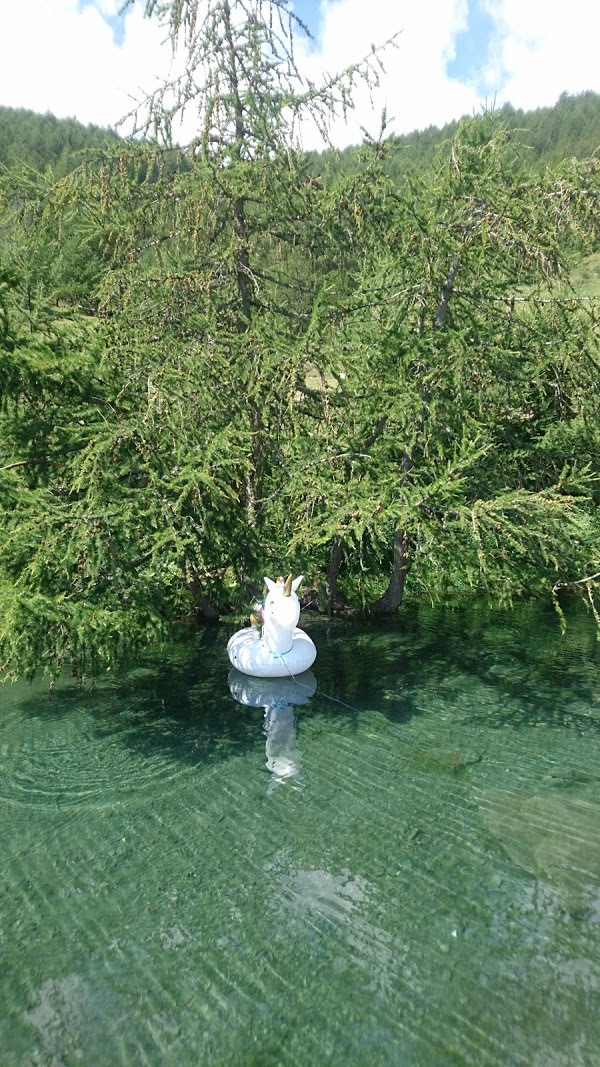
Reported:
(287, 589)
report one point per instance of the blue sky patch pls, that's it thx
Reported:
(116, 22)
(472, 47)
(310, 13)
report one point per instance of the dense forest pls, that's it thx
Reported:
(549, 134)
(41, 141)
(217, 363)
(546, 136)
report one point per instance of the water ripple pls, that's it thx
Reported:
(74, 767)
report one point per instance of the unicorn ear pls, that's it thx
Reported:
(270, 585)
(296, 582)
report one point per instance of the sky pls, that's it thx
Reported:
(82, 59)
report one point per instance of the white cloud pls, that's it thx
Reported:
(56, 57)
(542, 49)
(415, 89)
(110, 8)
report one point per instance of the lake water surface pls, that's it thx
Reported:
(395, 860)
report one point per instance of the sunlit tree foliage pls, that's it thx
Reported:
(382, 387)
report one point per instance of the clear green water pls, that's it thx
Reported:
(423, 888)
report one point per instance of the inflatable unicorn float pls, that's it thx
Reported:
(279, 648)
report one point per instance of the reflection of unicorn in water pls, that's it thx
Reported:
(278, 697)
(283, 754)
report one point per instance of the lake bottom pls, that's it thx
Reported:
(392, 860)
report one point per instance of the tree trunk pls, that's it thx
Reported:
(243, 272)
(255, 471)
(442, 308)
(335, 562)
(392, 598)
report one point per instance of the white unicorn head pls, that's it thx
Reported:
(281, 614)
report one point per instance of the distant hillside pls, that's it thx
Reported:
(43, 140)
(551, 134)
(570, 128)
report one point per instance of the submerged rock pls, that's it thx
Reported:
(559, 778)
(550, 835)
(452, 759)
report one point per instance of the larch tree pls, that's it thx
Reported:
(149, 502)
(387, 386)
(459, 445)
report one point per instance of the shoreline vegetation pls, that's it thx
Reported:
(233, 359)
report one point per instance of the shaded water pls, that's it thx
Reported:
(396, 862)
